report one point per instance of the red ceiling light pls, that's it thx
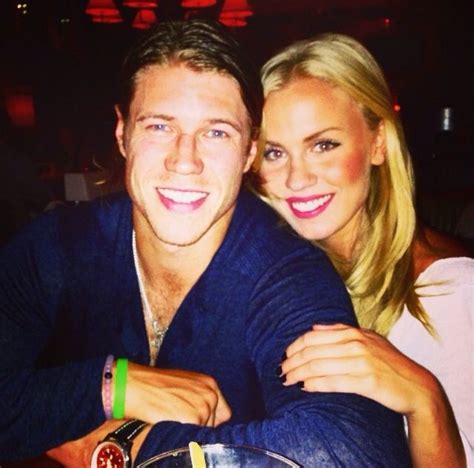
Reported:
(102, 8)
(107, 19)
(144, 19)
(238, 7)
(20, 108)
(140, 3)
(233, 22)
(235, 13)
(197, 3)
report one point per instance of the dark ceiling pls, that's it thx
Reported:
(69, 64)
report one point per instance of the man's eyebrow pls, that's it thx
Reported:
(319, 133)
(152, 115)
(232, 123)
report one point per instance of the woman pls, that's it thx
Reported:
(334, 164)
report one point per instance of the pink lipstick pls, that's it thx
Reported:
(308, 207)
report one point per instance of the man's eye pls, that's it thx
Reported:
(159, 127)
(272, 154)
(215, 133)
(325, 145)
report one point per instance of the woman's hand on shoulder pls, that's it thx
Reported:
(340, 358)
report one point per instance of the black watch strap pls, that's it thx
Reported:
(128, 431)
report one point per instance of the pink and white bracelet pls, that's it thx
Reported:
(107, 386)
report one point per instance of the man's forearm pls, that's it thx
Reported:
(342, 429)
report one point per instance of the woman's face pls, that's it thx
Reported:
(317, 160)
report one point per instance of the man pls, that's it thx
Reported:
(184, 256)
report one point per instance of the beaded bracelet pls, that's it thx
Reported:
(121, 370)
(107, 386)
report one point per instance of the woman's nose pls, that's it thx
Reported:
(184, 158)
(300, 174)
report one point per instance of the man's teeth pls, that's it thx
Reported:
(179, 196)
(311, 205)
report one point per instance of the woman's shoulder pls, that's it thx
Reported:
(433, 250)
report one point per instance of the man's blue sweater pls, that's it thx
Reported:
(69, 296)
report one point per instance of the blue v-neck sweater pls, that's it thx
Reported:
(69, 296)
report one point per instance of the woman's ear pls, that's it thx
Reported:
(119, 131)
(380, 147)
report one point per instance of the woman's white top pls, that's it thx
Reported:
(449, 301)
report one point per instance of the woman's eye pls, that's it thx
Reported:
(272, 154)
(325, 145)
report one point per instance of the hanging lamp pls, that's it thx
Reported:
(140, 3)
(102, 8)
(234, 13)
(197, 3)
(144, 19)
(115, 19)
(233, 21)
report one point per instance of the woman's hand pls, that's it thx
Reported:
(340, 358)
(155, 395)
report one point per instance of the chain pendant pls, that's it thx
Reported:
(158, 334)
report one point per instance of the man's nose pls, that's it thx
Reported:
(300, 174)
(184, 157)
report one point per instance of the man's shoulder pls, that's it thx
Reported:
(78, 224)
(259, 237)
(265, 226)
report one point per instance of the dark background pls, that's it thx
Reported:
(66, 66)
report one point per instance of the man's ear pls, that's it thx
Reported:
(251, 155)
(379, 149)
(119, 131)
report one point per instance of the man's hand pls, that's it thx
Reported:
(155, 395)
(77, 453)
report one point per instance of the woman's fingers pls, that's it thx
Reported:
(316, 368)
(324, 334)
(321, 351)
(345, 359)
(340, 384)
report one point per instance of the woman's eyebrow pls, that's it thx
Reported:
(319, 133)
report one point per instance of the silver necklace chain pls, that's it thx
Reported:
(158, 331)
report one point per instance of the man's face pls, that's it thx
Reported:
(187, 146)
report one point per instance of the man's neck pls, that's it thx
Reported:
(186, 262)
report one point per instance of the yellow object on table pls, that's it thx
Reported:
(197, 455)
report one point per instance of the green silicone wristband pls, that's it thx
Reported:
(121, 370)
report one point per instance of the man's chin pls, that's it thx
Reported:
(185, 240)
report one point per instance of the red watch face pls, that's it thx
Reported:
(109, 456)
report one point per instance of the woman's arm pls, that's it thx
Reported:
(339, 358)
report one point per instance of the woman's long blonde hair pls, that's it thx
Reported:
(379, 278)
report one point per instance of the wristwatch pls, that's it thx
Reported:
(114, 450)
